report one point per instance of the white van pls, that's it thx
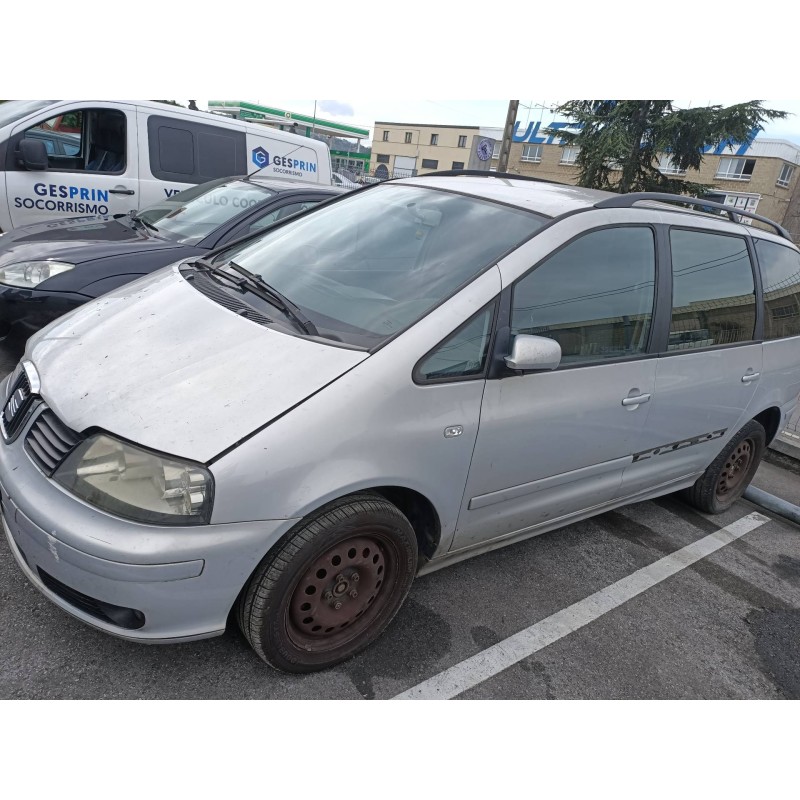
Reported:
(71, 158)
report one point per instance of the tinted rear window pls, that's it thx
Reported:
(780, 273)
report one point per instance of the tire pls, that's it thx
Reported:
(726, 478)
(331, 587)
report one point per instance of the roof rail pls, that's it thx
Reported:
(480, 173)
(628, 200)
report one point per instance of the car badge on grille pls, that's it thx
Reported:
(13, 406)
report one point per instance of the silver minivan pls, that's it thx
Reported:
(292, 429)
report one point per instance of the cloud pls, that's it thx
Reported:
(336, 108)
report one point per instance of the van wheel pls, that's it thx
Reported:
(725, 480)
(331, 588)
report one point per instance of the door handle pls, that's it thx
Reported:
(635, 401)
(753, 376)
(121, 191)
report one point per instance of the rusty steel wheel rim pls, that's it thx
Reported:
(735, 470)
(341, 593)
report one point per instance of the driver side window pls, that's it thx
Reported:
(90, 140)
(594, 296)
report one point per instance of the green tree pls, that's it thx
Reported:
(621, 141)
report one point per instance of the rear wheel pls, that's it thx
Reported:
(332, 587)
(726, 478)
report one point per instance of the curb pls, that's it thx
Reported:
(785, 446)
(772, 503)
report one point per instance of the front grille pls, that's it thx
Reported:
(16, 408)
(214, 291)
(123, 617)
(50, 441)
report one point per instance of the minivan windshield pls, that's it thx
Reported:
(191, 215)
(371, 264)
(12, 110)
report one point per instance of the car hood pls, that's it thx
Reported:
(161, 365)
(77, 241)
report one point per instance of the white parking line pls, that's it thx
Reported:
(502, 655)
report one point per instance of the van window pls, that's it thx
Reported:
(594, 296)
(191, 152)
(780, 272)
(90, 140)
(713, 290)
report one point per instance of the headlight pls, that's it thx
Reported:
(28, 274)
(134, 483)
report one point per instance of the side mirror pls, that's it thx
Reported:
(533, 353)
(33, 154)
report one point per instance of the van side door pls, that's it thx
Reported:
(552, 444)
(710, 358)
(92, 164)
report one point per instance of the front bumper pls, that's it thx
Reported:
(140, 582)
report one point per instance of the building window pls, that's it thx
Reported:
(569, 155)
(666, 167)
(434, 138)
(735, 169)
(382, 158)
(532, 153)
(462, 141)
(496, 152)
(458, 165)
(785, 176)
(429, 163)
(386, 136)
(408, 137)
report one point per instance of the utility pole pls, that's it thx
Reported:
(508, 131)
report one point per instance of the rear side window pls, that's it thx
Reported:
(713, 290)
(780, 273)
(191, 152)
(594, 296)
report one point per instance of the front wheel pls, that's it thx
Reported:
(331, 588)
(726, 478)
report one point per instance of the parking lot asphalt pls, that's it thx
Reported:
(726, 626)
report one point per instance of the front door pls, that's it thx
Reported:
(92, 165)
(551, 444)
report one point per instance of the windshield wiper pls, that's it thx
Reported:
(276, 298)
(259, 287)
(136, 218)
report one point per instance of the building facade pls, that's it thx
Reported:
(404, 149)
(763, 177)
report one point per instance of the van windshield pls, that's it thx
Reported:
(13, 110)
(373, 263)
(191, 215)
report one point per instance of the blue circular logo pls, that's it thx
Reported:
(485, 149)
